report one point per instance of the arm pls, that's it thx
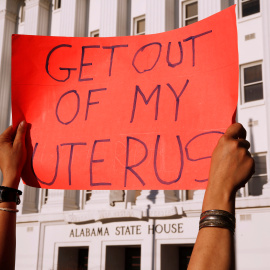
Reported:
(231, 167)
(12, 159)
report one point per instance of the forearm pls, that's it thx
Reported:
(7, 236)
(12, 158)
(213, 242)
(8, 229)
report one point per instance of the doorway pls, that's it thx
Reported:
(123, 258)
(73, 258)
(175, 256)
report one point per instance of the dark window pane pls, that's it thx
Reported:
(260, 164)
(192, 10)
(188, 22)
(133, 258)
(175, 256)
(83, 259)
(253, 74)
(255, 185)
(88, 195)
(184, 257)
(253, 92)
(250, 7)
(226, 3)
(73, 258)
(190, 194)
(141, 26)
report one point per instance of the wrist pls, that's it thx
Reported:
(219, 199)
(11, 182)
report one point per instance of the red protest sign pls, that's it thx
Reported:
(138, 112)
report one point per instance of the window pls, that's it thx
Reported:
(57, 4)
(94, 33)
(248, 7)
(190, 12)
(45, 195)
(226, 3)
(251, 83)
(255, 184)
(139, 26)
(22, 13)
(88, 194)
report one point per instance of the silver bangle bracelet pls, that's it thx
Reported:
(217, 218)
(216, 212)
(9, 210)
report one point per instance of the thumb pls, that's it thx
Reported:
(20, 134)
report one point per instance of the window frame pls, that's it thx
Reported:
(42, 195)
(184, 18)
(22, 13)
(84, 194)
(57, 4)
(240, 9)
(246, 188)
(242, 85)
(135, 25)
(226, 4)
(94, 33)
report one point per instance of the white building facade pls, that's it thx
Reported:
(148, 229)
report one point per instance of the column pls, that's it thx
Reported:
(198, 195)
(113, 22)
(265, 9)
(73, 21)
(71, 200)
(8, 17)
(160, 15)
(150, 197)
(100, 198)
(208, 8)
(55, 202)
(36, 23)
(113, 18)
(37, 17)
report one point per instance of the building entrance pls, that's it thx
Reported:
(73, 258)
(175, 257)
(123, 258)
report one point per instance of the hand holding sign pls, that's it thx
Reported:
(140, 112)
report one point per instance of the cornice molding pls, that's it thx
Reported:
(32, 3)
(5, 14)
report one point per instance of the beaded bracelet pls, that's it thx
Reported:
(19, 192)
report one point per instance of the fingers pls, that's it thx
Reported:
(7, 134)
(243, 143)
(20, 135)
(236, 131)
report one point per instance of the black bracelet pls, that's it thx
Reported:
(19, 192)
